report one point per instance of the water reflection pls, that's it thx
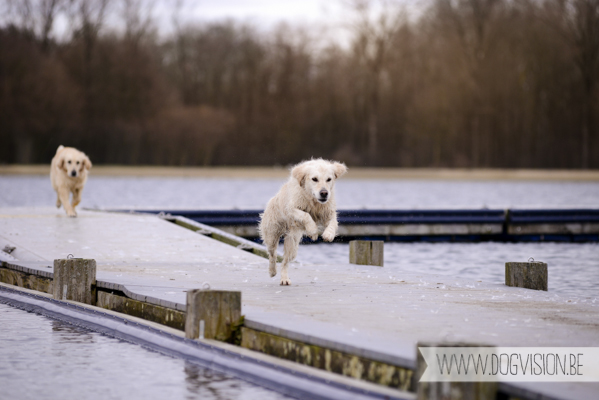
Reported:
(70, 333)
(205, 383)
(41, 358)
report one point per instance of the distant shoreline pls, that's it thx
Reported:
(354, 173)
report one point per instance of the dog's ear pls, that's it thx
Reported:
(61, 163)
(340, 169)
(299, 173)
(87, 163)
(61, 158)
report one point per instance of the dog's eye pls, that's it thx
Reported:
(315, 179)
(328, 180)
(78, 164)
(69, 161)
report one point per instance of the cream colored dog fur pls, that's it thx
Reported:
(68, 173)
(306, 201)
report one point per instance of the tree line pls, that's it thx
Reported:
(466, 83)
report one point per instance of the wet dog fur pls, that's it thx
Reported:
(305, 202)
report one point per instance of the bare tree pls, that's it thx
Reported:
(36, 16)
(87, 18)
(577, 21)
(21, 14)
(49, 9)
(375, 29)
(471, 21)
(469, 83)
(138, 19)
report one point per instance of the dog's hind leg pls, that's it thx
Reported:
(271, 242)
(292, 240)
(58, 203)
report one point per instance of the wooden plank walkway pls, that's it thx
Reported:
(357, 308)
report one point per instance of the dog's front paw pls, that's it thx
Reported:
(72, 214)
(58, 204)
(285, 282)
(272, 269)
(312, 231)
(328, 236)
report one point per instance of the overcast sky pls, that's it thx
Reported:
(326, 18)
(263, 14)
(258, 11)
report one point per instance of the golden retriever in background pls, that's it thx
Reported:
(304, 202)
(68, 174)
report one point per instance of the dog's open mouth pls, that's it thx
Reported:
(323, 200)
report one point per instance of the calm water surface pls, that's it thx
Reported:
(203, 193)
(41, 358)
(573, 268)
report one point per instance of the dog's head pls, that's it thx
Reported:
(73, 161)
(317, 177)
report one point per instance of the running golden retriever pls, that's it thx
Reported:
(304, 202)
(68, 173)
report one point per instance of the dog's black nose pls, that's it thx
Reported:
(324, 194)
(73, 173)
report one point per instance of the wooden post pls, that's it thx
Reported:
(529, 275)
(219, 310)
(450, 390)
(366, 252)
(75, 279)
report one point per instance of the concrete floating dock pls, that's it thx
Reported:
(359, 315)
(423, 225)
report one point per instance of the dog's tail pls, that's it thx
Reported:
(267, 227)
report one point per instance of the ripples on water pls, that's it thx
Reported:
(41, 358)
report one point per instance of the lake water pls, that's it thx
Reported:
(202, 193)
(573, 268)
(41, 358)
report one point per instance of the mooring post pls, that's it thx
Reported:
(75, 279)
(366, 252)
(529, 275)
(450, 390)
(212, 314)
